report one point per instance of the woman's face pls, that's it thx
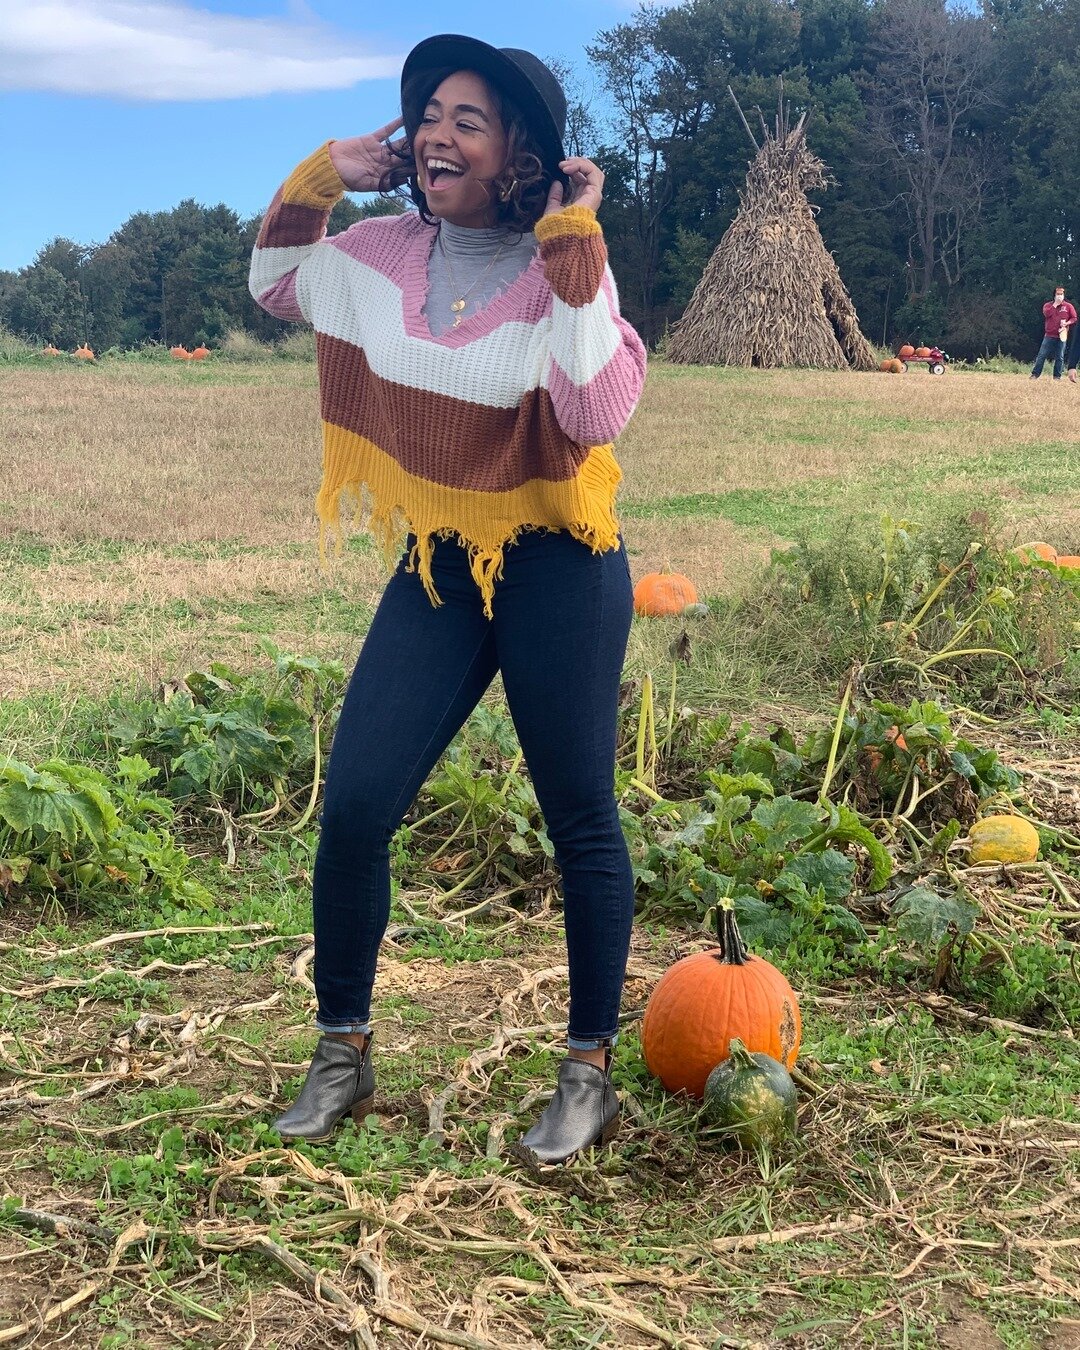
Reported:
(459, 147)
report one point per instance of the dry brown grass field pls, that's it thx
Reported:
(175, 504)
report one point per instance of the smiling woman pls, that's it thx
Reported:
(497, 162)
(474, 370)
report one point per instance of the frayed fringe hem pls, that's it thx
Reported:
(594, 525)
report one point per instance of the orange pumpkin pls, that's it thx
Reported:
(703, 1001)
(906, 350)
(179, 353)
(84, 352)
(200, 353)
(662, 593)
(50, 351)
(1071, 561)
(1036, 549)
(897, 366)
(922, 351)
(886, 364)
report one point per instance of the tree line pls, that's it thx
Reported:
(950, 133)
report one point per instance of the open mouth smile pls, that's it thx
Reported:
(441, 173)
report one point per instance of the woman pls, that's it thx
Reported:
(473, 371)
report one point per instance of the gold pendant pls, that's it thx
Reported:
(457, 321)
(457, 305)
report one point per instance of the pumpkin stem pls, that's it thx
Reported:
(733, 950)
(739, 1054)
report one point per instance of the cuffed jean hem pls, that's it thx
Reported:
(591, 1042)
(344, 1028)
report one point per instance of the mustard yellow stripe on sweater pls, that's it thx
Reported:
(315, 182)
(578, 221)
(396, 502)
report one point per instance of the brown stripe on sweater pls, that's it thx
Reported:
(574, 266)
(286, 225)
(443, 439)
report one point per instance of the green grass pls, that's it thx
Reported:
(785, 513)
(1039, 471)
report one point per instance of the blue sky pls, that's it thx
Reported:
(113, 106)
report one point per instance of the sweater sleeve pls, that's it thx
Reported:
(291, 231)
(596, 367)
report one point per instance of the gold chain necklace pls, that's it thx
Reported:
(456, 306)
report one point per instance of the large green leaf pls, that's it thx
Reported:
(42, 803)
(762, 925)
(783, 822)
(93, 792)
(760, 756)
(739, 784)
(693, 832)
(830, 870)
(849, 829)
(926, 916)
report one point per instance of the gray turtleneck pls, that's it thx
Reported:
(471, 253)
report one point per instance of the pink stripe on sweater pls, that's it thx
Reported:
(595, 413)
(280, 298)
(388, 244)
(399, 248)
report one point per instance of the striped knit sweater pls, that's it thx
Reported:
(502, 424)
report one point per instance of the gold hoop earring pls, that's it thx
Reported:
(507, 192)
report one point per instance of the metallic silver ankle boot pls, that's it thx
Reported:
(340, 1082)
(583, 1112)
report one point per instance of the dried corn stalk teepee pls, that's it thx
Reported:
(771, 294)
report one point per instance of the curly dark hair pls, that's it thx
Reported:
(521, 189)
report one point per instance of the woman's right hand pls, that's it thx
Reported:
(362, 161)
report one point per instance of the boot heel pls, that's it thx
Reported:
(361, 1109)
(609, 1131)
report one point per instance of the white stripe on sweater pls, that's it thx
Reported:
(584, 338)
(269, 265)
(358, 304)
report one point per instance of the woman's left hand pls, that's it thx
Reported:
(586, 186)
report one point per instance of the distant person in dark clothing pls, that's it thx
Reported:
(1059, 317)
(1074, 352)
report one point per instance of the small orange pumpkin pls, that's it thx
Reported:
(1070, 561)
(897, 366)
(906, 350)
(84, 352)
(922, 351)
(703, 1001)
(179, 353)
(1036, 549)
(886, 365)
(661, 593)
(200, 353)
(50, 351)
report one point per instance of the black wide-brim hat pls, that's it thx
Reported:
(519, 75)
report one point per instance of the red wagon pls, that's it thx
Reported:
(934, 359)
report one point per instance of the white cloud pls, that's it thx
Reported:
(165, 49)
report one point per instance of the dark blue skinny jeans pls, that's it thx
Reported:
(1050, 346)
(561, 621)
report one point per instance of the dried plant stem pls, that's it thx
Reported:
(323, 1288)
(135, 1233)
(742, 1242)
(139, 935)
